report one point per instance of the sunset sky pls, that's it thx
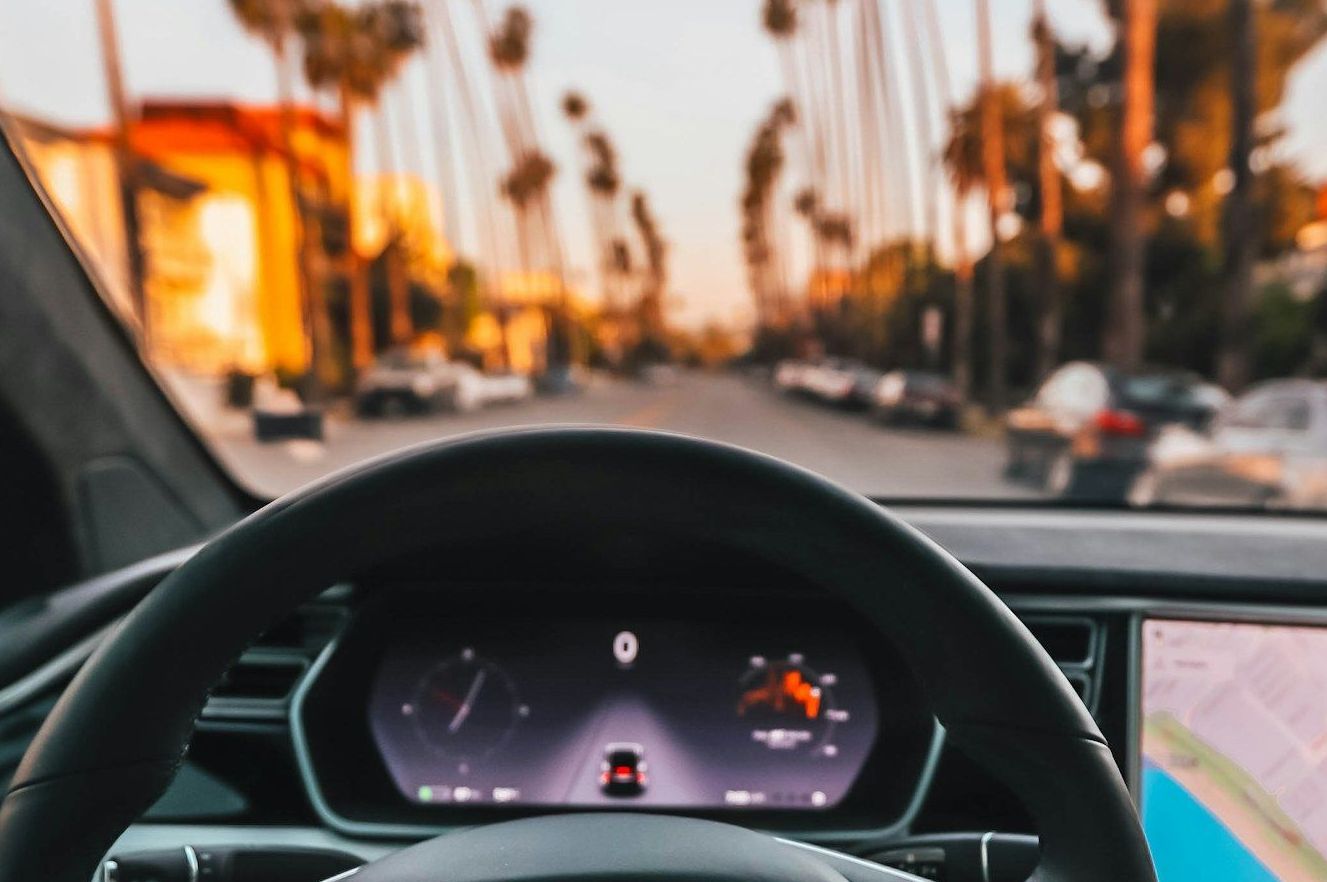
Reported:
(680, 85)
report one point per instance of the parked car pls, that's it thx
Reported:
(402, 382)
(790, 374)
(925, 397)
(840, 381)
(1088, 430)
(1267, 448)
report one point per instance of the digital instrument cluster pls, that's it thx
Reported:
(651, 713)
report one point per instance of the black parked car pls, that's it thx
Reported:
(1087, 432)
(922, 397)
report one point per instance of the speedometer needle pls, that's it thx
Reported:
(470, 696)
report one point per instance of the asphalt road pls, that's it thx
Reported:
(846, 447)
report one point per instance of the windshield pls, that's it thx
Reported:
(932, 249)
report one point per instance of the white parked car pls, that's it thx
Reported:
(402, 382)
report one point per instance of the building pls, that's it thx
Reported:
(220, 227)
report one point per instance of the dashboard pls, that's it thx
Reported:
(1199, 643)
(770, 703)
(623, 713)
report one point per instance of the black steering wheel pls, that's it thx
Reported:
(117, 735)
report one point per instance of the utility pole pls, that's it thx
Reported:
(126, 166)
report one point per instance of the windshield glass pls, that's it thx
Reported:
(982, 249)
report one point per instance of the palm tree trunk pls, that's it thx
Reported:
(398, 286)
(993, 165)
(317, 330)
(360, 307)
(1233, 361)
(1052, 210)
(929, 179)
(962, 345)
(1125, 332)
(126, 167)
(482, 175)
(444, 151)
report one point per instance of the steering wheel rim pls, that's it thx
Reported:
(999, 695)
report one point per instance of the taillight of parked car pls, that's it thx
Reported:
(1119, 424)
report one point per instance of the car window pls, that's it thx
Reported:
(631, 212)
(1281, 412)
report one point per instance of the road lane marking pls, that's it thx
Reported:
(651, 415)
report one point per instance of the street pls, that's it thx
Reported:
(846, 447)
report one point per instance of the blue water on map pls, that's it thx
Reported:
(1189, 843)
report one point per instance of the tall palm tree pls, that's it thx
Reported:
(1240, 238)
(961, 192)
(355, 53)
(126, 169)
(922, 108)
(1124, 339)
(993, 169)
(526, 185)
(480, 168)
(398, 27)
(274, 22)
(764, 163)
(656, 276)
(1052, 207)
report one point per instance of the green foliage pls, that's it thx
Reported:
(1283, 333)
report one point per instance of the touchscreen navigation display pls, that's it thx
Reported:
(1234, 750)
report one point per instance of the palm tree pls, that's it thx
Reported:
(656, 276)
(339, 55)
(1052, 210)
(1124, 339)
(126, 168)
(764, 163)
(274, 22)
(1233, 358)
(963, 180)
(600, 166)
(993, 169)
(526, 185)
(480, 170)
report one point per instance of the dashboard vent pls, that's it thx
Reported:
(1075, 644)
(259, 686)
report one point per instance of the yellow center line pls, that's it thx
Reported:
(651, 415)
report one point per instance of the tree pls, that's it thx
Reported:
(1050, 326)
(526, 185)
(355, 53)
(603, 183)
(1241, 245)
(993, 170)
(274, 22)
(764, 164)
(1125, 330)
(126, 169)
(650, 307)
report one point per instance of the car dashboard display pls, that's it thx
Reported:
(434, 709)
(1233, 747)
(648, 713)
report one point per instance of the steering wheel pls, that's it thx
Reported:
(119, 732)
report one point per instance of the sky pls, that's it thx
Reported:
(680, 85)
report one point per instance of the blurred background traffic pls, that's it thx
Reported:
(1052, 249)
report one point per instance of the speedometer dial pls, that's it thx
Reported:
(466, 708)
(789, 706)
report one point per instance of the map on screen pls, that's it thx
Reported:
(1234, 750)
